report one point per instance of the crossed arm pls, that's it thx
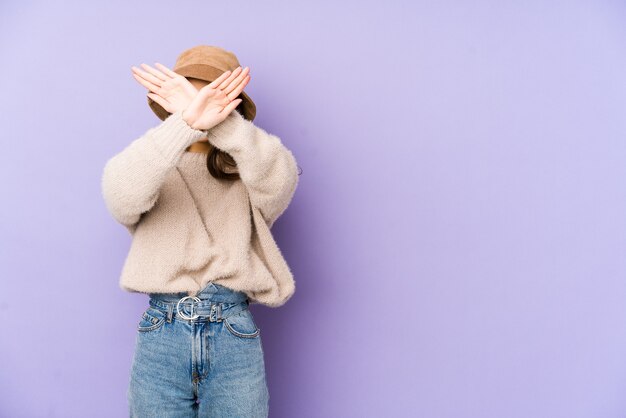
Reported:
(267, 168)
(132, 179)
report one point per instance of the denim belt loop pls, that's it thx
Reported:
(216, 312)
(170, 312)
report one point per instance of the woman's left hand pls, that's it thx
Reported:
(169, 89)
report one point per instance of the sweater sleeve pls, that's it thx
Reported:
(132, 178)
(266, 167)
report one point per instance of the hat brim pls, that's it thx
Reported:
(247, 108)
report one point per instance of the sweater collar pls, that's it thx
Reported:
(188, 159)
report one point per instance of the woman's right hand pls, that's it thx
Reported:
(216, 100)
(169, 89)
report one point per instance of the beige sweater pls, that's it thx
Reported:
(170, 250)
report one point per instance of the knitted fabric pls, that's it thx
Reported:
(171, 251)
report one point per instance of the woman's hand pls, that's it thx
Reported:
(169, 89)
(216, 100)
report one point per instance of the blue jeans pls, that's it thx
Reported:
(202, 357)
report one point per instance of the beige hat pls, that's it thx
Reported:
(207, 63)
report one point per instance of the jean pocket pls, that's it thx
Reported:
(151, 320)
(242, 325)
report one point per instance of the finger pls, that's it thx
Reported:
(237, 91)
(166, 70)
(147, 77)
(215, 83)
(160, 100)
(151, 87)
(230, 107)
(156, 73)
(236, 81)
(234, 75)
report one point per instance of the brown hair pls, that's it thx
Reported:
(221, 164)
(218, 161)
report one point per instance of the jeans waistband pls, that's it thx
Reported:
(215, 301)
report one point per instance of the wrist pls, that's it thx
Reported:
(189, 122)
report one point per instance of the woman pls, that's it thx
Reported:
(199, 194)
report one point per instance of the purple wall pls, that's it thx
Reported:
(457, 238)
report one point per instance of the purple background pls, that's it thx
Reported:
(457, 238)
